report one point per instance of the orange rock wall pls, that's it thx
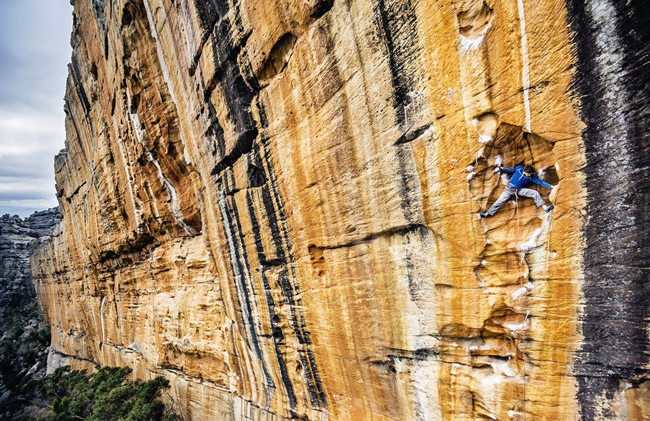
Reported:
(274, 204)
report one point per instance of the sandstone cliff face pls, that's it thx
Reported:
(274, 204)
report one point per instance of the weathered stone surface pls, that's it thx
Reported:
(274, 204)
(18, 239)
(22, 332)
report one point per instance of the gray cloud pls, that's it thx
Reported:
(34, 52)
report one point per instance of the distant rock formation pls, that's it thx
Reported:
(18, 239)
(23, 348)
(274, 204)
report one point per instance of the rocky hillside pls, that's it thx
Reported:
(18, 239)
(23, 334)
(275, 205)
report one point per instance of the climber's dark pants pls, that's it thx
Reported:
(508, 193)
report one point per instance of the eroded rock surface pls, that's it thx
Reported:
(23, 333)
(274, 204)
(18, 239)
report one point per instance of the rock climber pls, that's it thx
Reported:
(521, 175)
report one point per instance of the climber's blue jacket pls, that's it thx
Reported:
(519, 180)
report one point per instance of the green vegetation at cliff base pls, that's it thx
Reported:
(106, 395)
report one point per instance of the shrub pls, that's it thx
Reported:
(105, 395)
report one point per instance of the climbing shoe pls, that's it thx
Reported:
(547, 209)
(483, 215)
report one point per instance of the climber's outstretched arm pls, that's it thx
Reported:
(507, 170)
(536, 180)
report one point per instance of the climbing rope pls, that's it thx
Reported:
(517, 232)
(548, 241)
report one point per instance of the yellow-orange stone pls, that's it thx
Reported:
(274, 205)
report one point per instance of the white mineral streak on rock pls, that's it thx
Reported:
(101, 316)
(525, 76)
(514, 327)
(170, 188)
(491, 381)
(164, 68)
(240, 279)
(469, 44)
(470, 170)
(531, 243)
(191, 41)
(426, 388)
(174, 196)
(139, 131)
(127, 168)
(484, 138)
(153, 202)
(521, 291)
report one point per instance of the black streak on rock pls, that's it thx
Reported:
(613, 82)
(209, 11)
(242, 277)
(256, 176)
(239, 88)
(398, 25)
(291, 292)
(237, 94)
(243, 145)
(273, 317)
(75, 73)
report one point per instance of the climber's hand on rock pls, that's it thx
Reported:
(497, 168)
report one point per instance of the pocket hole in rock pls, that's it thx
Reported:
(474, 21)
(278, 57)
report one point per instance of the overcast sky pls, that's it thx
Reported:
(34, 53)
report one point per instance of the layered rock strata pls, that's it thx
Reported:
(274, 204)
(18, 239)
(22, 332)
